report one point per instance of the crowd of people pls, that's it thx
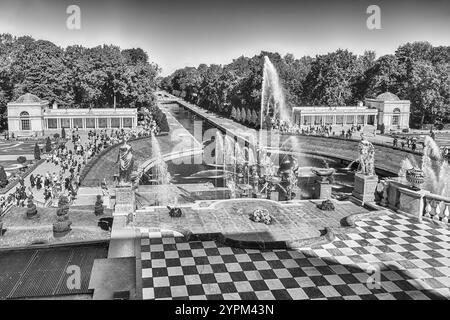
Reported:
(17, 198)
(410, 143)
(69, 161)
(285, 127)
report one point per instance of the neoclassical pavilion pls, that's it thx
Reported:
(30, 115)
(392, 112)
(385, 109)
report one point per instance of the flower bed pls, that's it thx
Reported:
(261, 215)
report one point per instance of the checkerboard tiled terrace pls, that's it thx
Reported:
(413, 259)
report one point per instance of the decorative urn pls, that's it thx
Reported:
(323, 173)
(415, 177)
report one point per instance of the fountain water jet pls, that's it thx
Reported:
(436, 169)
(160, 173)
(272, 98)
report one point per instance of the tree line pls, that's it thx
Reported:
(76, 77)
(417, 71)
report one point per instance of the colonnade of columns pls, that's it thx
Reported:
(340, 119)
(98, 123)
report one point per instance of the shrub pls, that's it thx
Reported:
(21, 160)
(56, 136)
(31, 211)
(48, 145)
(63, 133)
(3, 177)
(98, 208)
(37, 152)
(164, 125)
(174, 212)
(62, 224)
(326, 205)
(261, 215)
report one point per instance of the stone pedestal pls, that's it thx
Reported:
(393, 194)
(298, 193)
(259, 195)
(411, 202)
(125, 201)
(274, 196)
(364, 188)
(322, 189)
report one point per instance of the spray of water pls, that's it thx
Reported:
(160, 171)
(436, 169)
(272, 99)
(219, 148)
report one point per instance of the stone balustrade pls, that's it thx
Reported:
(420, 204)
(436, 208)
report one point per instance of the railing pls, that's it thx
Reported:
(420, 204)
(436, 208)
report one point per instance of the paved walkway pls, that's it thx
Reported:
(412, 259)
(13, 157)
(291, 222)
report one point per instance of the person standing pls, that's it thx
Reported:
(32, 181)
(38, 182)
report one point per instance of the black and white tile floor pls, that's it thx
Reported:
(413, 260)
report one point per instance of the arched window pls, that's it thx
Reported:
(25, 120)
(396, 117)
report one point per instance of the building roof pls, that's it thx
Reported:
(387, 96)
(333, 110)
(29, 98)
(91, 112)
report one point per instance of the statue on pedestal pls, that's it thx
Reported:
(366, 157)
(366, 180)
(125, 159)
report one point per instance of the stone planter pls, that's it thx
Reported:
(323, 174)
(61, 226)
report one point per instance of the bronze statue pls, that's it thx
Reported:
(126, 161)
(366, 157)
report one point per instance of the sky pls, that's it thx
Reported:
(179, 33)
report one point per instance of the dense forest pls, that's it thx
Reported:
(416, 71)
(75, 77)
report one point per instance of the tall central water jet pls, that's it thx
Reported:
(273, 105)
